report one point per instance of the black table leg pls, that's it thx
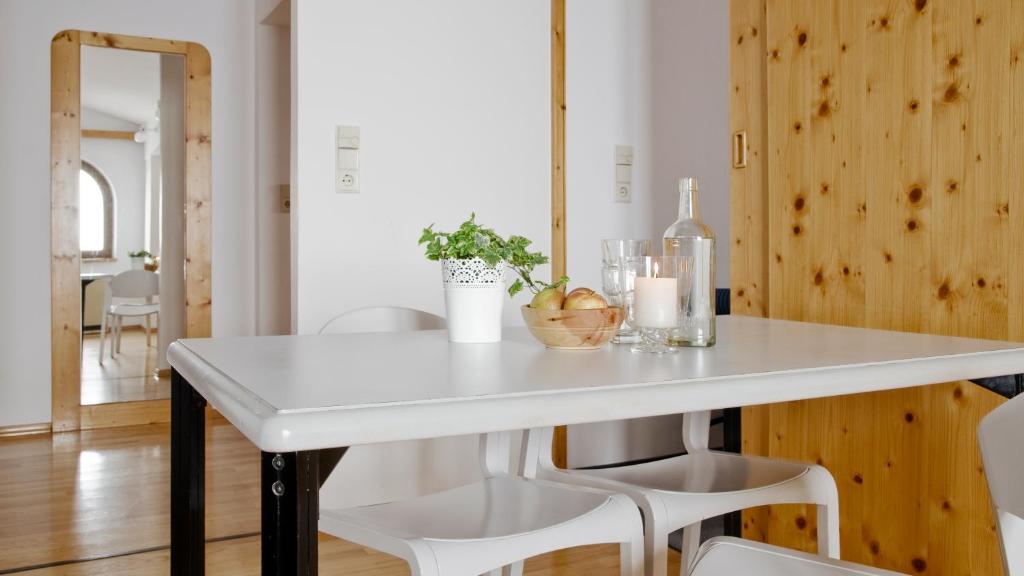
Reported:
(188, 482)
(290, 502)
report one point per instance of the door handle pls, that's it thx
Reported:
(739, 149)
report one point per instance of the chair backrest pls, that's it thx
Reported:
(495, 448)
(1001, 436)
(382, 319)
(135, 284)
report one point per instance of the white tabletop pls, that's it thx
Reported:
(290, 393)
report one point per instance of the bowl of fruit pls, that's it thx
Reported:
(579, 320)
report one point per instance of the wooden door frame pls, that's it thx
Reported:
(67, 413)
(558, 250)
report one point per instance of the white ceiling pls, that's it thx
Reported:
(121, 83)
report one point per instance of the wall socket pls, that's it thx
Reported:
(284, 202)
(623, 173)
(346, 170)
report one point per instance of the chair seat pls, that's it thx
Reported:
(492, 508)
(725, 556)
(134, 309)
(703, 472)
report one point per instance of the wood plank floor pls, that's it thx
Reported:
(128, 376)
(97, 502)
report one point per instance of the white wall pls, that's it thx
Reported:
(273, 168)
(652, 74)
(26, 28)
(123, 163)
(453, 101)
(452, 98)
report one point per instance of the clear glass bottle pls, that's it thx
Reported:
(690, 236)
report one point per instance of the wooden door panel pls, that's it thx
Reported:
(893, 136)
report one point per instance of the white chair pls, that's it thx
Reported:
(724, 556)
(488, 524)
(1001, 435)
(681, 491)
(129, 294)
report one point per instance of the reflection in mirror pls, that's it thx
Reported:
(132, 153)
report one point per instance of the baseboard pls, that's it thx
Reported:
(25, 429)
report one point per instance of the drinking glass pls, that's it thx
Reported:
(658, 287)
(619, 262)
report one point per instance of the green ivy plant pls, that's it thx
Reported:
(472, 240)
(140, 254)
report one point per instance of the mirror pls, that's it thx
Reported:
(132, 167)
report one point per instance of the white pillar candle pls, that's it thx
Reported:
(657, 302)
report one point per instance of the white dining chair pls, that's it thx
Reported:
(128, 295)
(1001, 435)
(727, 556)
(681, 491)
(488, 524)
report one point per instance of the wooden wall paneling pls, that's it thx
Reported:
(748, 185)
(558, 245)
(198, 193)
(748, 203)
(66, 287)
(1015, 168)
(923, 98)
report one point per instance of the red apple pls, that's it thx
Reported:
(584, 299)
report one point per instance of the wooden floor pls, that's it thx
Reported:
(128, 377)
(97, 502)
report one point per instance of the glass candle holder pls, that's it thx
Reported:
(656, 303)
(620, 259)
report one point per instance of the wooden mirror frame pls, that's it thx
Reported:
(65, 263)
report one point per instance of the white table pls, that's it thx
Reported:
(303, 399)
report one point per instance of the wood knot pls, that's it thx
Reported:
(909, 417)
(797, 230)
(958, 393)
(801, 522)
(953, 61)
(753, 31)
(946, 505)
(981, 283)
(944, 292)
(801, 38)
(826, 81)
(843, 47)
(740, 293)
(883, 23)
(919, 564)
(858, 479)
(819, 278)
(739, 41)
(775, 54)
(915, 194)
(914, 105)
(875, 547)
(912, 225)
(824, 109)
(799, 203)
(952, 93)
(824, 188)
(920, 5)
(887, 256)
(846, 270)
(952, 186)
(1003, 210)
(797, 127)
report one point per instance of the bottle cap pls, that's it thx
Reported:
(688, 184)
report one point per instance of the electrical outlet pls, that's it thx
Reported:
(284, 200)
(623, 192)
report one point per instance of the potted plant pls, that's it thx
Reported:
(138, 258)
(473, 263)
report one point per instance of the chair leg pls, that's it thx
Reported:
(688, 550)
(120, 328)
(631, 555)
(103, 335)
(828, 530)
(148, 331)
(655, 550)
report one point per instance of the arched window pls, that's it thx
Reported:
(95, 214)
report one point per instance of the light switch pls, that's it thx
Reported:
(346, 161)
(623, 173)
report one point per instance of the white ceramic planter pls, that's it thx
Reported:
(474, 294)
(138, 262)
